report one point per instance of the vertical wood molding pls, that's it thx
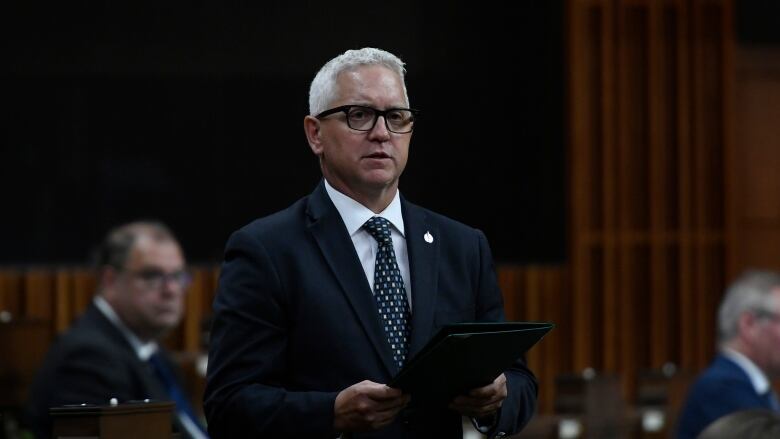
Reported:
(651, 263)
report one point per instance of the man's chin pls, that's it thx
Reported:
(380, 180)
(165, 325)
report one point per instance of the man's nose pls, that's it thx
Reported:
(379, 131)
(172, 285)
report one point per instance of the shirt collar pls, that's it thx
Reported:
(355, 214)
(143, 350)
(757, 377)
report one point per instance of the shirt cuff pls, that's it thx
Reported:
(485, 424)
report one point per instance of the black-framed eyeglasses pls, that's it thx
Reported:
(766, 314)
(362, 118)
(154, 279)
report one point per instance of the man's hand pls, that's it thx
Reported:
(482, 401)
(367, 406)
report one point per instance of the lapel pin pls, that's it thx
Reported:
(428, 237)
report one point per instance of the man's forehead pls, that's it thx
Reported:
(147, 250)
(358, 86)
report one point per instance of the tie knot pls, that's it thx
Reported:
(379, 228)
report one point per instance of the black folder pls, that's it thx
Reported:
(464, 356)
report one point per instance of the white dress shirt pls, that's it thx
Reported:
(355, 215)
(143, 350)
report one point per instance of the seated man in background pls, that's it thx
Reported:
(749, 336)
(112, 350)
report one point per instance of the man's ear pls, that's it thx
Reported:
(748, 325)
(107, 278)
(311, 126)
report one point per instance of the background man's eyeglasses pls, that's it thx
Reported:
(361, 118)
(766, 314)
(155, 279)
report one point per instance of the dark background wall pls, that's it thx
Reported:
(756, 22)
(194, 116)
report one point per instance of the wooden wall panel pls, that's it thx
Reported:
(538, 293)
(38, 294)
(593, 202)
(754, 222)
(64, 308)
(10, 292)
(650, 264)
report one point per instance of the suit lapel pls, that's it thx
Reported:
(423, 267)
(331, 235)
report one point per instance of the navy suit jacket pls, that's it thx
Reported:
(295, 322)
(721, 389)
(91, 363)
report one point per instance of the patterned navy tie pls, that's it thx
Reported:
(389, 291)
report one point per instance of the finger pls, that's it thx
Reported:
(383, 421)
(390, 412)
(382, 392)
(487, 408)
(390, 404)
(467, 400)
(383, 417)
(477, 411)
(467, 404)
(485, 391)
(385, 406)
(485, 411)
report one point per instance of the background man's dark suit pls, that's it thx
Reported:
(296, 322)
(91, 363)
(721, 389)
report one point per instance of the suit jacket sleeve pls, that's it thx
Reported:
(522, 387)
(245, 394)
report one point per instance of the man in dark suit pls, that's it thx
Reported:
(740, 376)
(111, 351)
(320, 305)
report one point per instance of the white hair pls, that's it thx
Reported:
(324, 88)
(749, 293)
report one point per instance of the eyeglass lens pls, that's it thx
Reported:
(364, 118)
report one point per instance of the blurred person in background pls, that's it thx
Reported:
(740, 376)
(112, 350)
